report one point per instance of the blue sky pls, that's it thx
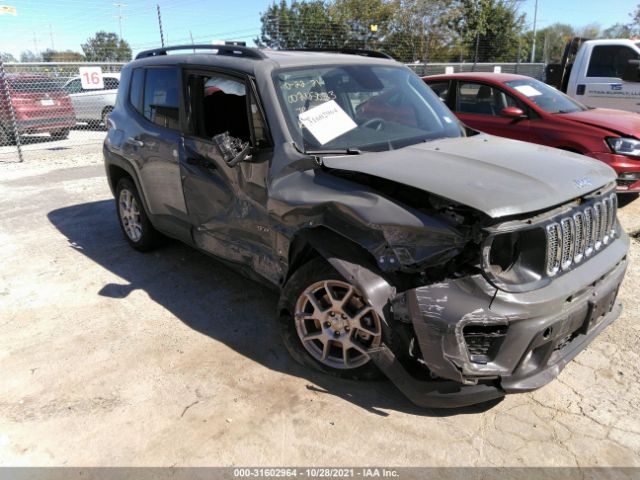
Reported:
(73, 21)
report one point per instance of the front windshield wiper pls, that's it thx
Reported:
(335, 151)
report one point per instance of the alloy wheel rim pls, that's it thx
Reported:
(336, 325)
(130, 215)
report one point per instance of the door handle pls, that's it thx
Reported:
(135, 141)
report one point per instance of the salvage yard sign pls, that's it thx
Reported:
(91, 78)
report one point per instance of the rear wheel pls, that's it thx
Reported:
(60, 134)
(133, 219)
(327, 323)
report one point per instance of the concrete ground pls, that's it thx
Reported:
(112, 357)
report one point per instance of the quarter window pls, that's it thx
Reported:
(161, 98)
(136, 88)
(610, 61)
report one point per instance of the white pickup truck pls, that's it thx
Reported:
(600, 73)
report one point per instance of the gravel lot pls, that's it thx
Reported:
(112, 357)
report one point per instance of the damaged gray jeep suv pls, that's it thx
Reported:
(460, 265)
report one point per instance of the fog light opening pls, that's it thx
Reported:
(547, 333)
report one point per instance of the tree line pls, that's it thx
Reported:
(424, 30)
(102, 47)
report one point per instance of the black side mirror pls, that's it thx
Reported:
(632, 71)
(233, 150)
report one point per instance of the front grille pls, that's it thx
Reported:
(577, 236)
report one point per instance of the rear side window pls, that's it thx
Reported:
(482, 99)
(110, 83)
(136, 89)
(610, 60)
(161, 97)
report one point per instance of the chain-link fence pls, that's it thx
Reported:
(54, 105)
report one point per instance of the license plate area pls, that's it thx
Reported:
(600, 308)
(47, 102)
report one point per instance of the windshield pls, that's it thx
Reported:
(34, 85)
(363, 107)
(547, 98)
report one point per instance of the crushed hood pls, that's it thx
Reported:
(495, 175)
(618, 121)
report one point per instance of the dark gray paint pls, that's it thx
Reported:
(257, 214)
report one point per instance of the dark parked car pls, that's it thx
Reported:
(461, 266)
(523, 108)
(39, 104)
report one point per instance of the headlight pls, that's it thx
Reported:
(625, 146)
(515, 261)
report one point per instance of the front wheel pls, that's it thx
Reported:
(327, 324)
(134, 222)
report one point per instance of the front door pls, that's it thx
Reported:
(603, 86)
(227, 204)
(479, 106)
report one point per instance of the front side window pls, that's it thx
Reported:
(482, 99)
(365, 107)
(546, 97)
(161, 97)
(610, 61)
(218, 103)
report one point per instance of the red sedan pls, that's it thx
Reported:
(523, 108)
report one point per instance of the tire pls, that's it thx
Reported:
(60, 134)
(6, 136)
(133, 218)
(354, 335)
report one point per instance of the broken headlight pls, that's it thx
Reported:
(515, 261)
(413, 246)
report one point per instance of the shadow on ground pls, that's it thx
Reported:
(214, 300)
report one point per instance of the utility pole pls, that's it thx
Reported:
(533, 45)
(191, 35)
(35, 41)
(51, 37)
(120, 16)
(160, 25)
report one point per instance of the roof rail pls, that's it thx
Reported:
(350, 51)
(230, 49)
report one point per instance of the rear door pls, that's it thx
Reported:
(153, 142)
(227, 204)
(603, 85)
(479, 106)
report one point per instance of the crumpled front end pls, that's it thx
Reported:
(480, 339)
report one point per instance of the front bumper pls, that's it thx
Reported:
(542, 330)
(627, 168)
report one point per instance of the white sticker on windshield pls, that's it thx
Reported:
(446, 119)
(528, 90)
(327, 121)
